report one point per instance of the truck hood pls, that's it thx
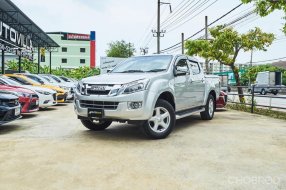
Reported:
(117, 78)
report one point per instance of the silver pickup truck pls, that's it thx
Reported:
(152, 91)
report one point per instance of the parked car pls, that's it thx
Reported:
(28, 99)
(25, 80)
(10, 108)
(67, 79)
(222, 100)
(150, 90)
(268, 82)
(47, 97)
(69, 86)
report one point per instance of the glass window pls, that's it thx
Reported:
(82, 61)
(82, 50)
(35, 79)
(195, 67)
(144, 64)
(20, 80)
(64, 60)
(182, 65)
(64, 49)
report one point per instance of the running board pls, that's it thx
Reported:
(186, 113)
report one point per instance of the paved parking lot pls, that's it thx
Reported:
(52, 150)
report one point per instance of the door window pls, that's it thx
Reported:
(195, 68)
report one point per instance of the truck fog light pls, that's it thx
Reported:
(134, 105)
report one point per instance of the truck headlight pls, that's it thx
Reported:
(133, 87)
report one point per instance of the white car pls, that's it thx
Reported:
(47, 97)
(68, 86)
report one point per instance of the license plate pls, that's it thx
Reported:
(17, 111)
(95, 113)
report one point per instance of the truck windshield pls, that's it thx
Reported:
(144, 64)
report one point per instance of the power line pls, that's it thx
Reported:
(221, 17)
(188, 13)
(172, 29)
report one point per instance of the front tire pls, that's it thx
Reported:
(208, 114)
(161, 123)
(263, 92)
(95, 125)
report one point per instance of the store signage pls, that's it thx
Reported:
(10, 36)
(78, 37)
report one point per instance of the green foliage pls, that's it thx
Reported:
(226, 44)
(77, 73)
(251, 73)
(120, 49)
(265, 7)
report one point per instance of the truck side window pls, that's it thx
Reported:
(195, 68)
(182, 65)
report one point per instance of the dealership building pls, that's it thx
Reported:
(20, 37)
(75, 50)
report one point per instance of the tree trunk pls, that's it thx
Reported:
(238, 84)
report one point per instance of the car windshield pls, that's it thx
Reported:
(144, 64)
(49, 79)
(10, 81)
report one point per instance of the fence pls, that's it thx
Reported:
(264, 101)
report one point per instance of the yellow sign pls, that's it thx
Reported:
(43, 51)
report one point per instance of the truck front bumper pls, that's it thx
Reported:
(120, 110)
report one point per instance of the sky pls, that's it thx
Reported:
(133, 20)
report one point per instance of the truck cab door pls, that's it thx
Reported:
(181, 81)
(198, 83)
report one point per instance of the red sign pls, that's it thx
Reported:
(78, 37)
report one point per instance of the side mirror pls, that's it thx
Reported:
(180, 72)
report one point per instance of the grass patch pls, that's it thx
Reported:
(259, 111)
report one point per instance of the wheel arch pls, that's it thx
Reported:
(168, 96)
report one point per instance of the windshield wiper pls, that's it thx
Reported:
(133, 71)
(156, 70)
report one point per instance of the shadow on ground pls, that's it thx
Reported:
(126, 132)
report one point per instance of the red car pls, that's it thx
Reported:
(222, 100)
(28, 99)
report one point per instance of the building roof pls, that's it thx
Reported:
(14, 17)
(281, 64)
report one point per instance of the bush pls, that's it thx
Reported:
(77, 73)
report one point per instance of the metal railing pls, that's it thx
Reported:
(252, 93)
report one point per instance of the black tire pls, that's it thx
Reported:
(263, 91)
(91, 125)
(208, 114)
(275, 92)
(149, 126)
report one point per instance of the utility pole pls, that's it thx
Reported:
(206, 38)
(159, 33)
(183, 43)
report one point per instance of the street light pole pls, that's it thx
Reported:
(158, 26)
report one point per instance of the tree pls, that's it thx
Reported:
(225, 46)
(265, 7)
(120, 49)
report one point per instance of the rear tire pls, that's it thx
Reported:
(99, 126)
(161, 123)
(275, 92)
(209, 109)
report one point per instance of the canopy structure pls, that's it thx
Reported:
(11, 15)
(20, 36)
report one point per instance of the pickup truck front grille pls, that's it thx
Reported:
(95, 92)
(99, 105)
